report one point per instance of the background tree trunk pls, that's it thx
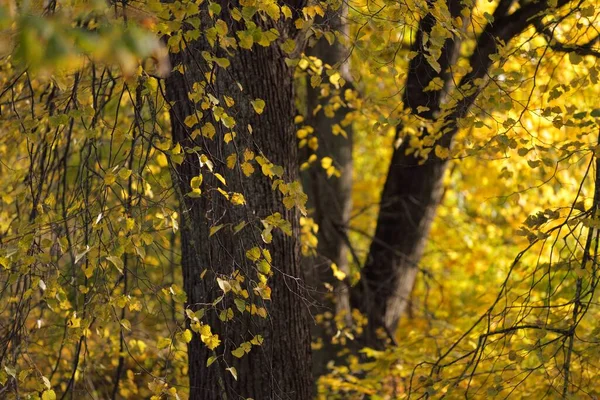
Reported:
(413, 187)
(330, 197)
(281, 367)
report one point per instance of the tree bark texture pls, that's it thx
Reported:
(281, 367)
(330, 198)
(413, 188)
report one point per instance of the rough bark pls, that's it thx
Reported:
(413, 188)
(281, 367)
(330, 198)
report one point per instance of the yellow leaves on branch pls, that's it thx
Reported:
(211, 340)
(327, 164)
(261, 258)
(245, 347)
(294, 196)
(442, 152)
(237, 199)
(195, 185)
(338, 273)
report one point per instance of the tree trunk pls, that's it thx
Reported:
(413, 187)
(281, 366)
(330, 197)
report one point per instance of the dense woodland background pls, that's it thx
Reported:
(299, 199)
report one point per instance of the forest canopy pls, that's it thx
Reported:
(295, 199)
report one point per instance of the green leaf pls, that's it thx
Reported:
(240, 304)
(214, 9)
(215, 229)
(211, 360)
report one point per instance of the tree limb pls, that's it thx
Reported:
(582, 49)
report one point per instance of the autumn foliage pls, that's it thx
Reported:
(299, 199)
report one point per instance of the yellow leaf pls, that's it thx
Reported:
(215, 229)
(212, 342)
(208, 130)
(258, 105)
(196, 182)
(273, 10)
(326, 162)
(205, 161)
(253, 254)
(335, 79)
(220, 178)
(229, 101)
(247, 168)
(263, 267)
(124, 173)
(267, 255)
(262, 312)
(117, 262)
(435, 84)
(315, 81)
(239, 227)
(49, 395)
(224, 193)
(222, 27)
(239, 352)
(187, 336)
(231, 160)
(210, 360)
(74, 322)
(441, 152)
(257, 340)
(226, 315)
(339, 274)
(109, 179)
(248, 155)
(228, 137)
(163, 343)
(190, 120)
(222, 62)
(224, 285)
(237, 199)
(126, 324)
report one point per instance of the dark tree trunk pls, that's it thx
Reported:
(280, 368)
(330, 198)
(413, 188)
